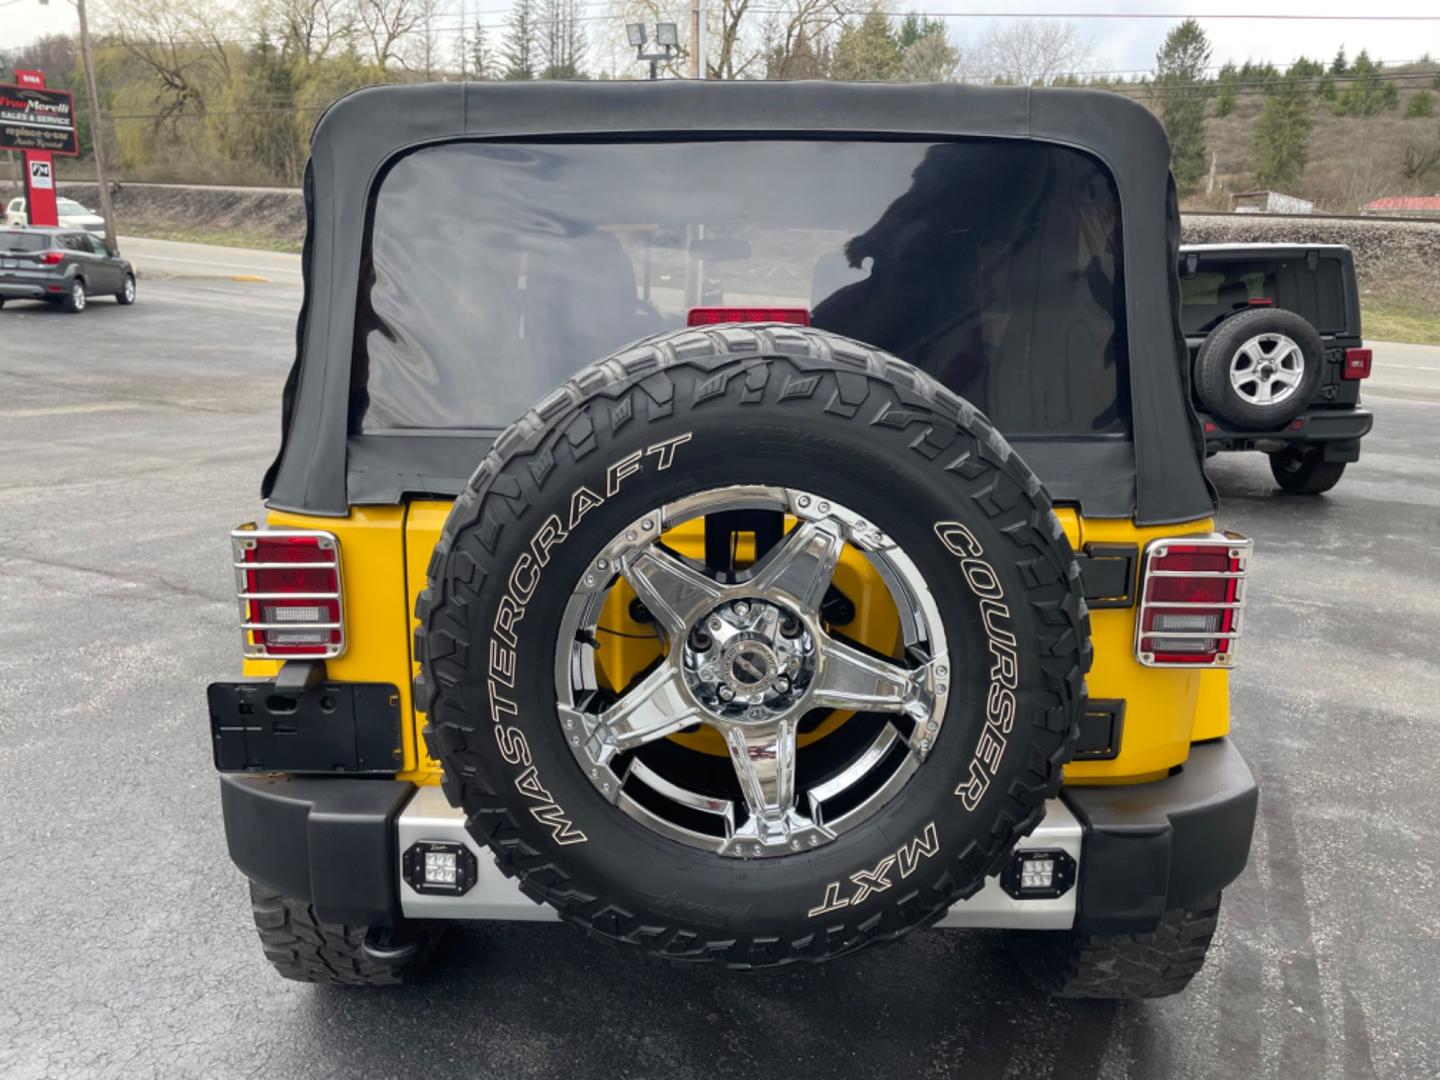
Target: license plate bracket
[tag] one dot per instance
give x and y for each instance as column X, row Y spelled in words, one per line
column 352, row 728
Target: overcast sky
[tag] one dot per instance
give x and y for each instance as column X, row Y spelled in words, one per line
column 1123, row 43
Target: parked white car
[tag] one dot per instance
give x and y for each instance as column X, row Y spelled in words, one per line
column 73, row 215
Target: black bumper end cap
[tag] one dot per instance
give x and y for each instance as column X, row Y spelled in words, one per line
column 327, row 841
column 1170, row 844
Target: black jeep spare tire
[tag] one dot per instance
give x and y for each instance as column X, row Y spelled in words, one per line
column 1259, row 369
column 857, row 789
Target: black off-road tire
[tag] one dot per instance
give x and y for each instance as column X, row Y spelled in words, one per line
column 1121, row 967
column 1303, row 470
column 1212, row 367
column 778, row 405
column 304, row 949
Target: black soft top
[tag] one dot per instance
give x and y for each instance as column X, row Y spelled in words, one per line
column 323, row 469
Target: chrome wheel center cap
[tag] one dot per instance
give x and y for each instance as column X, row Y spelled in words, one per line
column 749, row 660
column 748, row 666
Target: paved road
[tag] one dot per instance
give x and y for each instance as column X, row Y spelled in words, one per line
column 132, row 439
column 172, row 259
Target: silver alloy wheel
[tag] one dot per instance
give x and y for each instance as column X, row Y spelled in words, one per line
column 751, row 658
column 77, row 294
column 129, row 289
column 1267, row 369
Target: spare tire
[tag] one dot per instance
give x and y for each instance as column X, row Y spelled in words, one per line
column 1259, row 369
column 856, row 791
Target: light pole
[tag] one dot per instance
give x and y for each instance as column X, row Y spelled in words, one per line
column 97, row 131
column 667, row 36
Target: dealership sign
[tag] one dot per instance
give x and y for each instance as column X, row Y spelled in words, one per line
column 35, row 119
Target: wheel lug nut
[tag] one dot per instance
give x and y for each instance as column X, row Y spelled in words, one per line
column 716, row 624
column 742, row 608
column 725, row 693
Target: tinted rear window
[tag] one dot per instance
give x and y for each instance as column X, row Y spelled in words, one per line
column 23, row 241
column 1222, row 286
column 494, row 271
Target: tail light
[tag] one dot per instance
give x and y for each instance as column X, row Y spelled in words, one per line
column 1192, row 593
column 709, row 316
column 1357, row 364
column 1261, row 301
column 288, row 584
column 52, row 258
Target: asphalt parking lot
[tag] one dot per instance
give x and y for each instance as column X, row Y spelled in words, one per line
column 131, row 440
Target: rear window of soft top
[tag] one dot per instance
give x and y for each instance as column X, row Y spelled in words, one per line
column 495, row 271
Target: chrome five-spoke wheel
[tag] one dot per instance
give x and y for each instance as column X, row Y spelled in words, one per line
column 816, row 730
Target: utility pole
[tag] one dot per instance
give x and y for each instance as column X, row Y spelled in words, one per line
column 97, row 127
column 697, row 39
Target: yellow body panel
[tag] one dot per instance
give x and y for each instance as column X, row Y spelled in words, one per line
column 376, row 607
column 1161, row 704
column 385, row 552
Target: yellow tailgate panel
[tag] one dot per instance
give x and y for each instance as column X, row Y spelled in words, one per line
column 385, row 553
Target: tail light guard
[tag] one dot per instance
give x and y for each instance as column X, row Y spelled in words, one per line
column 1192, row 600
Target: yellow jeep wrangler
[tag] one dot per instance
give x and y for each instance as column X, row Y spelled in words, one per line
column 747, row 521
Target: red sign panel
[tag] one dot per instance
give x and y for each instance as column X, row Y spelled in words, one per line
column 32, row 118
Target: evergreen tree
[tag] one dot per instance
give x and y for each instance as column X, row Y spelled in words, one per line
column 1367, row 93
column 1183, row 90
column 868, row 50
column 1282, row 136
column 1225, row 89
column 1422, row 104
column 517, row 46
column 914, row 29
column 482, row 57
column 1339, row 66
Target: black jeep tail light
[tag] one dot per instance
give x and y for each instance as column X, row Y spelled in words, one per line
column 1357, row 364
column 288, row 584
column 1192, row 594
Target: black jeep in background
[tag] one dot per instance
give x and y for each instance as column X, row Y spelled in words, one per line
column 1274, row 337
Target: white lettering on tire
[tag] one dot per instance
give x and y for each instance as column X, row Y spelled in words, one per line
column 521, row 585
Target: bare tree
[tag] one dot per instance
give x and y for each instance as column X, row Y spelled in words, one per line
column 311, row 28
column 1034, row 52
column 561, row 39
column 931, row 59
column 383, row 25
column 182, row 45
column 799, row 35
column 1419, row 155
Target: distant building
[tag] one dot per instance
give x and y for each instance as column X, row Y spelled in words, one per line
column 1269, row 202
column 1421, row 206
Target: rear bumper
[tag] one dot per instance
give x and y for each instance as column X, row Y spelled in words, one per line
column 1152, row 848
column 1141, row 850
column 30, row 289
column 1337, row 431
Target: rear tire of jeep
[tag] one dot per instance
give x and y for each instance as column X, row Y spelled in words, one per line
column 1259, row 369
column 1120, row 967
column 563, row 507
column 302, row 948
column 1303, row 470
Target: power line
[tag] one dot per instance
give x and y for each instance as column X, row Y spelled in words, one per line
column 1137, row 92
